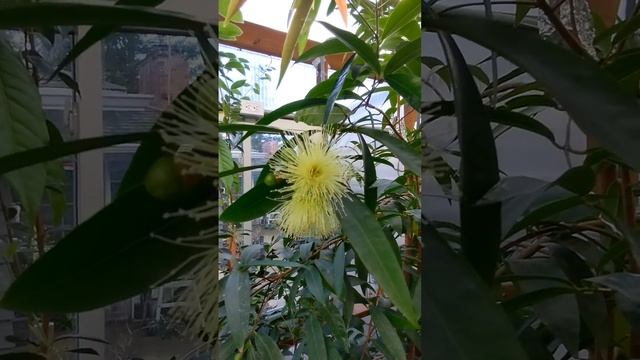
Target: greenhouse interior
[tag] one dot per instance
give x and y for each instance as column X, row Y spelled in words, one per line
column 319, row 180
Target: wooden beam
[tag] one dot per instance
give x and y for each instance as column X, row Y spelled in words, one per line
column 268, row 41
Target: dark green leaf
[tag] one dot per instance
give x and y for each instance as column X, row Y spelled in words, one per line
column 456, row 308
column 337, row 88
column 401, row 149
column 22, row 127
column 559, row 313
column 480, row 235
column 406, row 11
column 389, row 335
column 407, row 85
column 370, row 193
column 314, row 339
column 267, row 348
column 78, row 12
column 22, row 356
column 522, row 9
column 253, row 204
column 356, row 44
column 314, row 283
column 521, row 121
column 237, row 304
column 410, row 51
column 366, row 236
column 329, row 47
column 107, row 258
column 572, row 81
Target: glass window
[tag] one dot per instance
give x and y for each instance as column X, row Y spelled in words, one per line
column 57, row 213
column 143, row 73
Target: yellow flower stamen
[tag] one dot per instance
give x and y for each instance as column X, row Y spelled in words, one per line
column 316, row 176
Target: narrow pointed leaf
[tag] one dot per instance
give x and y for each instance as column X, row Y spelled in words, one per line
column 573, row 81
column 337, row 88
column 456, row 308
column 356, row 44
column 480, row 234
column 372, row 246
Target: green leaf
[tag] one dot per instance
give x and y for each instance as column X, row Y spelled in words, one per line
column 409, row 156
column 410, row 51
column 302, row 11
column 405, row 11
column 337, row 88
column 304, row 32
column 370, row 192
column 314, row 283
column 237, row 304
column 22, row 356
column 573, row 81
column 627, row 28
column 522, row 9
column 520, row 121
column 372, row 246
column 480, row 233
column 107, row 258
column 225, row 163
column 389, row 335
column 55, row 151
column 457, row 306
column 267, row 347
column 253, row 204
column 23, row 127
column 338, row 269
column 559, row 313
column 355, row 44
column 188, row 101
column 328, row 47
column 78, row 12
column 407, row 85
column 627, row 287
column 314, row 339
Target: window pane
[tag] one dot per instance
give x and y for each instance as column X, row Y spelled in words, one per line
column 57, row 213
column 143, row 73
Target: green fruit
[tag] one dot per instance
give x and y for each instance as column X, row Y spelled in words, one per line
column 163, row 180
column 270, row 180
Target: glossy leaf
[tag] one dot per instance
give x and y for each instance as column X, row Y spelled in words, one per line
column 355, row 44
column 410, row 51
column 22, row 356
column 23, row 127
column 407, row 85
column 253, row 204
column 337, row 88
column 78, row 12
column 405, row 11
column 328, row 47
column 456, row 308
column 559, row 313
column 572, row 81
column 267, row 348
column 107, row 258
column 295, row 27
column 480, row 235
column 389, row 335
column 237, row 304
column 314, row 339
column 56, row 151
column 366, row 236
column 409, row 157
